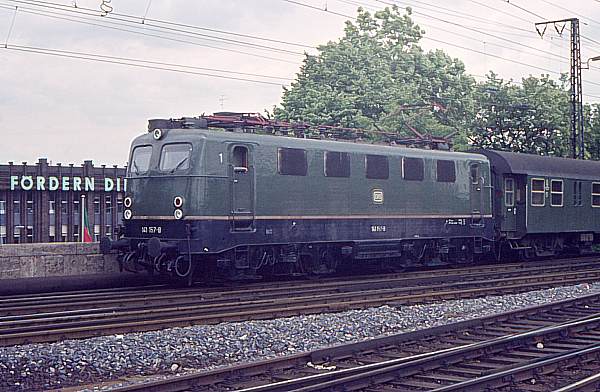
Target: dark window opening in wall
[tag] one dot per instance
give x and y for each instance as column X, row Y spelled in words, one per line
column 16, row 212
column 2, row 234
column 120, row 205
column 108, row 205
column 17, row 234
column 51, row 207
column 64, row 232
column 76, row 205
column 2, row 207
column 29, row 234
column 96, row 233
column 377, row 167
column 337, row 164
column 52, row 233
column 64, row 208
column 446, row 171
column 96, row 205
column 108, row 231
column 29, row 203
column 413, row 169
column 76, row 233
column 291, row 161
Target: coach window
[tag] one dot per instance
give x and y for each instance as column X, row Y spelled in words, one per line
column 174, row 157
column 240, row 158
column 556, row 193
column 140, row 160
column 412, row 169
column 595, row 194
column 538, row 192
column 291, row 162
column 337, row 164
column 377, row 167
column 509, row 192
column 446, row 171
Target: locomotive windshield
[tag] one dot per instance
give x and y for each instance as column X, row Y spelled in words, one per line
column 140, row 160
column 174, row 157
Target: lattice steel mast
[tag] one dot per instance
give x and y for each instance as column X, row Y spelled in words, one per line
column 576, row 95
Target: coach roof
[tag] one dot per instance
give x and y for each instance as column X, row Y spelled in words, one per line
column 537, row 165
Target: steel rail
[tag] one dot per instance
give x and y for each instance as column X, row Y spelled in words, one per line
column 344, row 352
column 29, row 331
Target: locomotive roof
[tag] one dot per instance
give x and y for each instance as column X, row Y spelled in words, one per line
column 537, row 165
column 180, row 135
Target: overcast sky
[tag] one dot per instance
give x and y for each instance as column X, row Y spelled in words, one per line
column 69, row 109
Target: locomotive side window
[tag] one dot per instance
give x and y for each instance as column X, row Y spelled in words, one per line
column 291, row 161
column 595, row 194
column 140, row 159
column 239, row 156
column 556, row 193
column 537, row 192
column 337, row 164
column 509, row 192
column 174, row 157
column 446, row 171
column 413, row 169
column 377, row 167
column 474, row 173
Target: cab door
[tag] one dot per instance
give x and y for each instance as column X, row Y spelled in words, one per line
column 509, row 205
column 241, row 173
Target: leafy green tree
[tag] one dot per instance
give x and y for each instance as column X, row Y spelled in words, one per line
column 592, row 131
column 531, row 118
column 377, row 77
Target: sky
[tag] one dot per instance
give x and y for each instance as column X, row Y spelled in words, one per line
column 228, row 55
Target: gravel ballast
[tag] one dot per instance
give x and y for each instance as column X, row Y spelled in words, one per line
column 175, row 350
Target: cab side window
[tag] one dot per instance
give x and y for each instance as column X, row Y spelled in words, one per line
column 291, row 161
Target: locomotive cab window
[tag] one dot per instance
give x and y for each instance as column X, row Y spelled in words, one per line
column 595, row 194
column 239, row 156
column 538, row 198
column 291, row 161
column 377, row 167
column 446, row 171
column 413, row 169
column 509, row 192
column 556, row 193
column 474, row 173
column 140, row 160
column 337, row 164
column 175, row 157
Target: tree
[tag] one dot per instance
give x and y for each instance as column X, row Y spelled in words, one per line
column 377, row 76
column 531, row 118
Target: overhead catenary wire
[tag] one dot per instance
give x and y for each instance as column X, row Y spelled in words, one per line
column 109, row 23
column 137, row 19
column 131, row 62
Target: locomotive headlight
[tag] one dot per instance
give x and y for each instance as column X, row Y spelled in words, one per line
column 178, row 214
column 178, row 201
column 157, row 133
column 127, row 202
column 127, row 214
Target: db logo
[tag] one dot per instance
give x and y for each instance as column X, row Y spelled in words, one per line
column 377, row 196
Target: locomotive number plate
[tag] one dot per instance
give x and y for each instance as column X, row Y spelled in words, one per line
column 151, row 229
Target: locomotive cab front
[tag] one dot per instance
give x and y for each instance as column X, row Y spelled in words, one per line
column 167, row 184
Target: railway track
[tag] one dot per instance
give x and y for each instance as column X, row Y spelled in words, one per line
column 80, row 315
column 534, row 349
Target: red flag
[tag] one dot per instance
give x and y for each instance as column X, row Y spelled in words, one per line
column 86, row 230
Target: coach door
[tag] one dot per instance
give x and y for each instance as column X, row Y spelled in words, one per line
column 509, row 205
column 476, row 194
column 241, row 169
